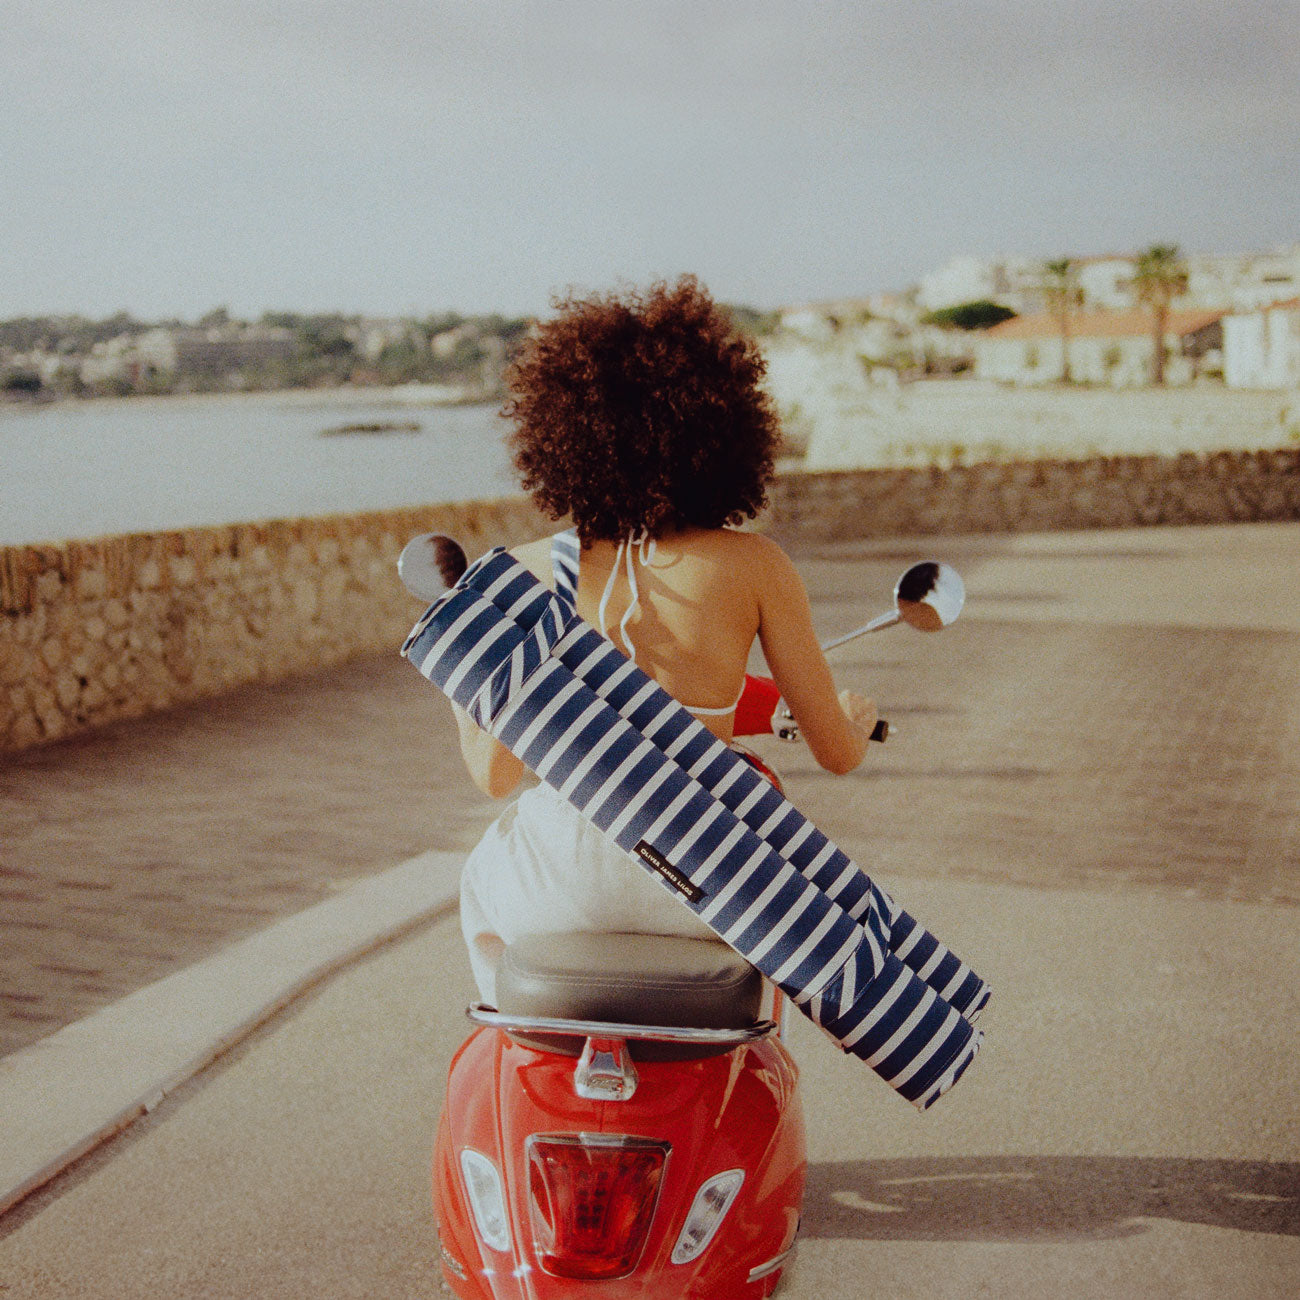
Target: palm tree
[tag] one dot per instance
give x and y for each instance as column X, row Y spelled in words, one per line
column 1060, row 285
column 1159, row 276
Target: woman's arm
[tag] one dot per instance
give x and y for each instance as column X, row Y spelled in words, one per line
column 496, row 771
column 837, row 728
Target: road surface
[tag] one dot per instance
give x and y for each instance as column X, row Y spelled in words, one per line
column 1092, row 795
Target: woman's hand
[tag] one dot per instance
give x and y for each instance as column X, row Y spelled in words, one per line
column 859, row 710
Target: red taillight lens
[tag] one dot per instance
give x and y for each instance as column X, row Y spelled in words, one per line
column 592, row 1198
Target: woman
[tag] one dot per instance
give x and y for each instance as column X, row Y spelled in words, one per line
column 640, row 417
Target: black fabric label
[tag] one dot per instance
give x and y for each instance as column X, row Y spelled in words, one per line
column 677, row 879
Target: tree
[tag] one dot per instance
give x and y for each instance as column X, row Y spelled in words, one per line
column 217, row 318
column 1060, row 283
column 749, row 320
column 290, row 320
column 21, row 383
column 978, row 315
column 1159, row 277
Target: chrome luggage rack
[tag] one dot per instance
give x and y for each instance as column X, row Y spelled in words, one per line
column 605, row 1071
column 482, row 1014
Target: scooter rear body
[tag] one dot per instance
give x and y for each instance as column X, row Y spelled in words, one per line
column 689, row 1185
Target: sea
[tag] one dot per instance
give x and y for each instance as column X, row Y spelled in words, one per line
column 83, row 469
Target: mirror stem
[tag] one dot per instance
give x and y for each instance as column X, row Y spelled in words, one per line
column 881, row 621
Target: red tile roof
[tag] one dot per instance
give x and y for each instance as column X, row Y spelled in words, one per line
column 1102, row 324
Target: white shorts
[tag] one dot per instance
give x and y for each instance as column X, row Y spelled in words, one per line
column 542, row 868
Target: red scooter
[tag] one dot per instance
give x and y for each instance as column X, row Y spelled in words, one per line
column 626, row 1123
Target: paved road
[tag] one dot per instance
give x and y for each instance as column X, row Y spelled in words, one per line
column 1143, row 686
column 1093, row 794
column 130, row 853
column 1129, row 1129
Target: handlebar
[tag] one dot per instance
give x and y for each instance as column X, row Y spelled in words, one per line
column 762, row 712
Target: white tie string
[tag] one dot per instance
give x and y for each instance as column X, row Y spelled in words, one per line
column 645, row 548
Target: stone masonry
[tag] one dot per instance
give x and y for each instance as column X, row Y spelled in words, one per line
column 96, row 631
column 1038, row 496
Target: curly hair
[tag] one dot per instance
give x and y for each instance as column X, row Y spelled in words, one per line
column 642, row 410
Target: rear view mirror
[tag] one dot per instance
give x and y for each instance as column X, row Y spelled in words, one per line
column 929, row 596
column 430, row 565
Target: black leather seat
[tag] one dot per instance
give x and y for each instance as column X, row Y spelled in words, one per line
column 636, row 979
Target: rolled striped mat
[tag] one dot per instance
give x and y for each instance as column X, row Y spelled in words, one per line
column 590, row 723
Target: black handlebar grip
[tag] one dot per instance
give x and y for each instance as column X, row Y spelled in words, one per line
column 880, row 731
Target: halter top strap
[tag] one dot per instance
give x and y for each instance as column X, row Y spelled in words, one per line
column 566, row 555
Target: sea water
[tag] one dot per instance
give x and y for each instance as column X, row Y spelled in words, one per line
column 83, row 469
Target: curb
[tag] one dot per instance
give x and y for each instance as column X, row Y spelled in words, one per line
column 64, row 1095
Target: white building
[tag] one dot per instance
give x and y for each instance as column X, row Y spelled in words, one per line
column 1018, row 283
column 157, row 348
column 109, row 360
column 1106, row 282
column 214, row 352
column 960, row 279
column 1242, row 281
column 444, row 345
column 372, row 337
column 39, row 361
column 1261, row 349
column 1113, row 348
column 1014, row 281
column 1228, row 282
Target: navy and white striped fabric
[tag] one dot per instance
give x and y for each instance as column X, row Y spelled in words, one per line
column 797, row 840
column 594, row 726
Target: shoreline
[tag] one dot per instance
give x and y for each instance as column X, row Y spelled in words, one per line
column 402, row 395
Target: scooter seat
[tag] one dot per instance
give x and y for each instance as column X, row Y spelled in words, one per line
column 632, row 979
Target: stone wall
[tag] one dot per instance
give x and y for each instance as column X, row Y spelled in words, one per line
column 95, row 631
column 1037, row 496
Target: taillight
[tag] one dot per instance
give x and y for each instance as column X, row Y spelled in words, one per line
column 592, row 1198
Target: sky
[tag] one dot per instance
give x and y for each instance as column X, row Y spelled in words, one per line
column 410, row 156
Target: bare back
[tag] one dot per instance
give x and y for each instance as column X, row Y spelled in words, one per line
column 702, row 597
column 695, row 614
